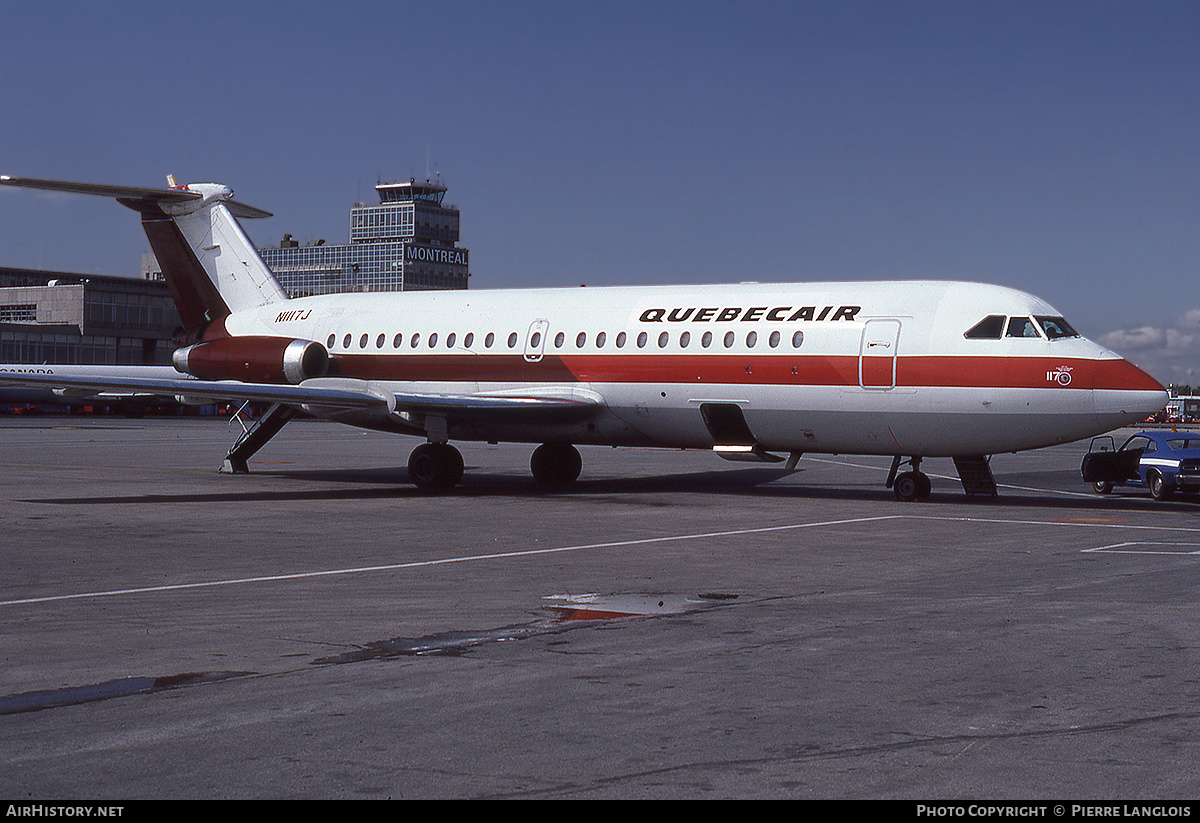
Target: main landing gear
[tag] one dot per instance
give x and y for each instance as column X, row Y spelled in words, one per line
column 556, row 465
column 909, row 485
column 435, row 467
column 438, row 467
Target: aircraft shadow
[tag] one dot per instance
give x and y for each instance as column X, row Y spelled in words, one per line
column 383, row 483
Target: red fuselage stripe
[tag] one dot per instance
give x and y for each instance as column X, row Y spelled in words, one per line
column 782, row 370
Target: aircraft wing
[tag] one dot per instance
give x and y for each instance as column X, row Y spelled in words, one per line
column 328, row 393
column 339, row 395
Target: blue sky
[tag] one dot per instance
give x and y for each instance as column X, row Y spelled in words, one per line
column 1047, row 146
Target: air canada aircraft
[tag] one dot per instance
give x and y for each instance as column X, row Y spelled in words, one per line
column 907, row 369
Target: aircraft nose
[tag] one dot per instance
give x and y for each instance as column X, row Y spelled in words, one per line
column 1122, row 389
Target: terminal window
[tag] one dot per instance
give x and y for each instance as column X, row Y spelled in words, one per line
column 19, row 313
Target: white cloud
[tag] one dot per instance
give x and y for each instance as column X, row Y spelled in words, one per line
column 1143, row 337
column 1169, row 353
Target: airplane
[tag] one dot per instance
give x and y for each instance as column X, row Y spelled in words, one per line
column 751, row 371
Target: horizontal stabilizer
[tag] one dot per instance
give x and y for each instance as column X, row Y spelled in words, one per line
column 139, row 199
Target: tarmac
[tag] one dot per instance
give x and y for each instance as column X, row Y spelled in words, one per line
column 675, row 626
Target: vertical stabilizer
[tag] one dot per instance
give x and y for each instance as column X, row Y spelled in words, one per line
column 223, row 271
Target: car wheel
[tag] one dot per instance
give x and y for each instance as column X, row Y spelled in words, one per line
column 1159, row 489
column 1102, row 487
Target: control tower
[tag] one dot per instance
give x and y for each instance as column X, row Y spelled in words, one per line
column 407, row 242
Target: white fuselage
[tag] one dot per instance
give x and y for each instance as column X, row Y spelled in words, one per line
column 854, row 367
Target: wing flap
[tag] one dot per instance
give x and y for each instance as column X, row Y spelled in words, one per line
column 508, row 408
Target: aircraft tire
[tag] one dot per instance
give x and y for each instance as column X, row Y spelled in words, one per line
column 435, row 467
column 908, row 486
column 556, row 465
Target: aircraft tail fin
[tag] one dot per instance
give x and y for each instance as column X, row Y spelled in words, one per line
column 210, row 265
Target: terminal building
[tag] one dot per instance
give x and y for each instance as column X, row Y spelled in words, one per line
column 50, row 317
column 407, row 242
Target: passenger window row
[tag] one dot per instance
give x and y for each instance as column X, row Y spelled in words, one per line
column 663, row 340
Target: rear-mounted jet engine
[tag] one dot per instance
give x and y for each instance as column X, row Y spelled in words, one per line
column 254, row 360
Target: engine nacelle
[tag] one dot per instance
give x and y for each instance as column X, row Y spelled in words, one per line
column 254, row 359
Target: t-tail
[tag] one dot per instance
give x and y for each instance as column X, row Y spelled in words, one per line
column 210, row 265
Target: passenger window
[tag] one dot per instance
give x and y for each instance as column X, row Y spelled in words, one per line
column 433, row 340
column 706, row 339
column 642, row 340
column 559, row 339
column 728, row 339
column 989, row 328
column 362, row 342
column 662, row 340
column 684, row 339
column 752, row 339
column 469, row 339
column 346, row 342
column 491, row 338
column 332, row 339
column 580, row 339
column 379, row 341
column 416, row 338
column 450, row 340
column 600, row 338
column 797, row 339
column 621, row 340
column 399, row 338
column 774, row 339
column 1021, row 327
column 512, row 340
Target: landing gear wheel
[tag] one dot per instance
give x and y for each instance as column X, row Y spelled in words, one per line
column 1159, row 489
column 556, row 465
column 911, row 486
column 435, row 466
column 1102, row 487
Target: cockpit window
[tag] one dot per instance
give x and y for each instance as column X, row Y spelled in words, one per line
column 989, row 328
column 1056, row 328
column 1021, row 327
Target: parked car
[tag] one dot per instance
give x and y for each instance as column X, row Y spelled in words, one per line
column 1168, row 462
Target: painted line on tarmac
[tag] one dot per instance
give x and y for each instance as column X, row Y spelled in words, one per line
column 443, row 561
column 1176, row 549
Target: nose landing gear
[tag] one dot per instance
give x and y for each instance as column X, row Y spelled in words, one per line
column 909, row 485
